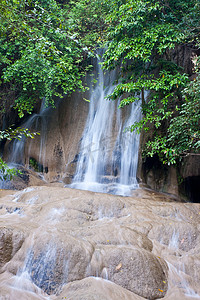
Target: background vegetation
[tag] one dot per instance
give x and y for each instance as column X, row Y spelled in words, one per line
column 145, row 33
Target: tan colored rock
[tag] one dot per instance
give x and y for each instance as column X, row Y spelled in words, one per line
column 112, row 234
column 70, row 235
column 11, row 241
column 19, row 288
column 134, row 269
column 95, row 289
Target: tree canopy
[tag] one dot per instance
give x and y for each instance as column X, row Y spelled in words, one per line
column 39, row 59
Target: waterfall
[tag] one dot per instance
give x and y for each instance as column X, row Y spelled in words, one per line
column 39, row 123
column 108, row 153
column 19, row 150
column 108, row 156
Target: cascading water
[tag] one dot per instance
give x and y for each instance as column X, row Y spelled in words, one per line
column 107, row 159
column 108, row 156
column 129, row 153
column 17, row 156
column 38, row 122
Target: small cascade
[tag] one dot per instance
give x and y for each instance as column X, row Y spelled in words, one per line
column 37, row 122
column 181, row 283
column 174, row 241
column 19, row 150
column 108, row 156
column 129, row 143
column 22, row 287
column 177, row 274
column 39, row 270
column 178, row 278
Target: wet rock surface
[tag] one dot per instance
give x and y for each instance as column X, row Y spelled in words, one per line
column 60, row 243
column 96, row 289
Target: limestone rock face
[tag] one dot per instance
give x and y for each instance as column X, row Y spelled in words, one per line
column 182, row 181
column 96, row 289
column 134, row 269
column 191, row 166
column 190, row 177
column 25, row 178
column 11, row 241
column 57, row 242
column 54, row 150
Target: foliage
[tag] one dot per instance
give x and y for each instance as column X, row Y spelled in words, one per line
column 35, row 165
column 86, row 21
column 7, row 173
column 16, row 133
column 183, row 133
column 141, row 38
column 38, row 58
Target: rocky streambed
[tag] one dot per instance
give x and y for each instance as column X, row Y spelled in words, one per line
column 60, row 243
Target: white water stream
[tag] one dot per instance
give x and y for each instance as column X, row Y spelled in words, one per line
column 16, row 158
column 39, row 123
column 108, row 156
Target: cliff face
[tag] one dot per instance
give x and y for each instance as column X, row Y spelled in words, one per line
column 57, row 145
column 183, row 179
column 105, row 155
column 56, row 151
